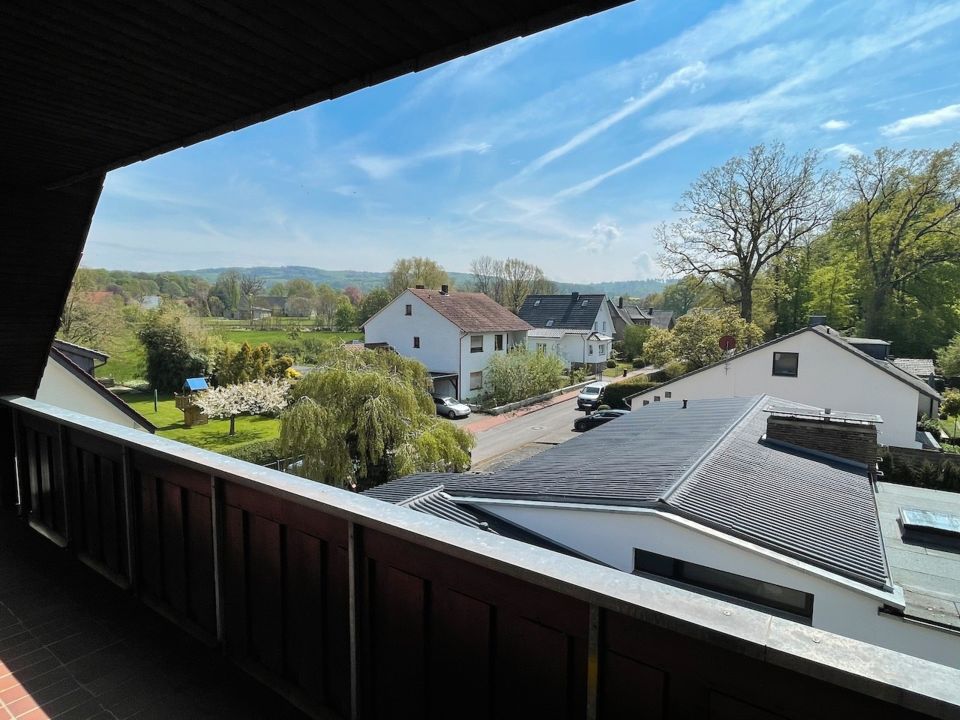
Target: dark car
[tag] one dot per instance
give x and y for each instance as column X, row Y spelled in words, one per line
column 598, row 418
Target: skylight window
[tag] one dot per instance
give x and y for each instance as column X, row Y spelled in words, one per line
column 584, row 303
column 549, row 323
column 536, row 302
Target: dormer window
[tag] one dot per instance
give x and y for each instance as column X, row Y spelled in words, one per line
column 549, row 323
column 584, row 303
column 536, row 303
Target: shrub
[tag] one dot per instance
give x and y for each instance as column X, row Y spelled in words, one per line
column 674, row 369
column 518, row 374
column 615, row 393
column 951, row 403
column 638, row 363
column 262, row 452
column 611, row 364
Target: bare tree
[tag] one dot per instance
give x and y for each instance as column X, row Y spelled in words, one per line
column 409, row 272
column 250, row 285
column 520, row 279
column 744, row 214
column 905, row 216
column 488, row 277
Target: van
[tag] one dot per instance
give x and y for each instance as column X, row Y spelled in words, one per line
column 589, row 397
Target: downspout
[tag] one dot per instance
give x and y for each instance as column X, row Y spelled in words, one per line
column 460, row 368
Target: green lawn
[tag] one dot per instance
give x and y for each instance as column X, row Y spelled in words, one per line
column 617, row 371
column 273, row 337
column 951, row 426
column 212, row 436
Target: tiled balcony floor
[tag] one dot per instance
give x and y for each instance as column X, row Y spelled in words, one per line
column 74, row 646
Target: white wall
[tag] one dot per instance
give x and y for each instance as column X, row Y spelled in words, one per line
column 604, row 322
column 61, row 388
column 827, row 376
column 840, row 606
column 571, row 349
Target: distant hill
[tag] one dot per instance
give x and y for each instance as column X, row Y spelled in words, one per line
column 366, row 281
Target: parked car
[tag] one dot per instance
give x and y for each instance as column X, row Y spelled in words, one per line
column 589, row 396
column 598, row 418
column 450, row 407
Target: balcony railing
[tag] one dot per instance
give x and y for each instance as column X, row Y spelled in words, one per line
column 356, row 608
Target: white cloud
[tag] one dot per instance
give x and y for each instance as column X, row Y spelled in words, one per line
column 932, row 119
column 843, row 150
column 380, row 167
column 831, row 125
column 645, row 266
column 602, row 236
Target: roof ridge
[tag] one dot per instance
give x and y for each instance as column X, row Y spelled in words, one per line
column 682, row 480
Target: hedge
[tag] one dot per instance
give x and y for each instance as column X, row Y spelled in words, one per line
column 942, row 476
column 260, row 452
column 614, row 393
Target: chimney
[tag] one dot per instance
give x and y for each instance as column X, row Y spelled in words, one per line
column 684, row 404
column 575, row 296
column 420, row 287
column 620, row 302
column 817, row 320
column 649, row 311
column 444, row 289
column 838, row 435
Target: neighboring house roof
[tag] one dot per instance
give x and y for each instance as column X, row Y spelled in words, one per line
column 69, row 349
column 425, row 493
column 921, row 368
column 87, row 379
column 825, row 332
column 930, row 580
column 864, row 341
column 472, row 312
column 573, row 311
column 560, row 332
column 662, row 319
column 707, row 463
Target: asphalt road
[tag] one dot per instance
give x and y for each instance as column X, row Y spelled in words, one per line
column 524, row 436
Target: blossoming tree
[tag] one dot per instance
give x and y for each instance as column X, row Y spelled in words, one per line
column 257, row 397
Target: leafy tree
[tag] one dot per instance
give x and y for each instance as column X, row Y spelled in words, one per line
column 695, row 339
column 245, row 364
column 833, row 292
column 278, row 289
column 326, row 303
column 86, row 321
column 299, row 306
column 216, row 306
column 256, row 397
column 744, row 214
column 363, row 418
column 518, row 374
column 172, row 349
column 346, row 316
column 227, row 288
column 410, row 272
column 948, row 358
column 299, row 287
column 682, row 296
column 373, row 302
column 904, row 218
column 634, row 337
column 950, row 407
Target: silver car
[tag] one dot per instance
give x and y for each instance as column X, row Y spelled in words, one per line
column 450, row 407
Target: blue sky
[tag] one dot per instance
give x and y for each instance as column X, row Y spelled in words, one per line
column 565, row 148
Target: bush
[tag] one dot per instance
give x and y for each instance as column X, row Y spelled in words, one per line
column 518, row 375
column 615, row 393
column 674, row 369
column 262, row 452
column 638, row 363
column 611, row 364
column 951, row 403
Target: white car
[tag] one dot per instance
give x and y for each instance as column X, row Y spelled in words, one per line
column 450, row 407
column 589, row 396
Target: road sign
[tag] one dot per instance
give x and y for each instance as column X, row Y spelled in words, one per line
column 728, row 342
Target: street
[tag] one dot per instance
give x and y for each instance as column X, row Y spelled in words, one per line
column 524, row 436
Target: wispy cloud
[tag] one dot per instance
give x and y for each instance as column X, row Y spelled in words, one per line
column 843, row 150
column 380, row 167
column 932, row 119
column 832, row 125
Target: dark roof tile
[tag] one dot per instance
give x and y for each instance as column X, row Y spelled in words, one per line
column 573, row 311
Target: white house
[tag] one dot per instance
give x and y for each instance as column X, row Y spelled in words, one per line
column 67, row 385
column 758, row 501
column 453, row 334
column 578, row 328
column 813, row 365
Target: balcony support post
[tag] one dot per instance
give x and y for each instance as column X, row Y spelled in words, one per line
column 216, row 510
column 129, row 515
column 593, row 661
column 23, row 481
column 354, row 537
column 66, row 487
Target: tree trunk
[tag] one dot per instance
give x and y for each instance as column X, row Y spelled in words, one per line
column 875, row 312
column 746, row 302
column 233, row 424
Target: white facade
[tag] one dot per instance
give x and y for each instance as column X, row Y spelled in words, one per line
column 428, row 336
column 574, row 347
column 843, row 606
column 828, row 376
column 604, row 321
column 62, row 388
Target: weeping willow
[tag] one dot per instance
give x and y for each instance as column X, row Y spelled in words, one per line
column 365, row 418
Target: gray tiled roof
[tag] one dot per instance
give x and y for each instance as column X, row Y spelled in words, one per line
column 575, row 312
column 918, row 367
column 707, row 463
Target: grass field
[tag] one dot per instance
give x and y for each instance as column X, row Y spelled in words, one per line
column 282, row 337
column 212, row 436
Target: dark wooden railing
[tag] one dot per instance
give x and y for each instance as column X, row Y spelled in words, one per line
column 356, row 608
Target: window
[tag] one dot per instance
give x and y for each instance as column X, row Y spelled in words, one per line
column 785, row 364
column 584, row 303
column 782, row 600
column 498, row 342
column 476, row 380
column 416, row 341
column 536, row 303
column 408, row 310
column 549, row 323
column 590, row 349
column 541, row 348
column 476, row 343
column 667, row 394
column 603, row 349
column 603, row 326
